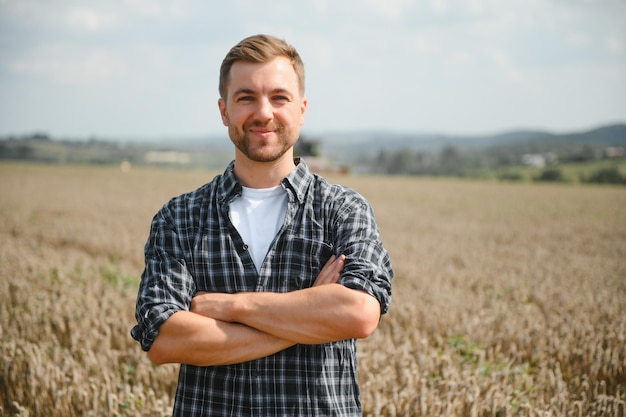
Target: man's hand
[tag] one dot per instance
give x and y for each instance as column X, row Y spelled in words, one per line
column 219, row 305
column 331, row 271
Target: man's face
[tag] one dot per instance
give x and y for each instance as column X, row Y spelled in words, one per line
column 263, row 109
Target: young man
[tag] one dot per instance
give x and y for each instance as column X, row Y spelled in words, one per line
column 259, row 282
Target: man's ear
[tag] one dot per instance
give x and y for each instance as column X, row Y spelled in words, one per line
column 303, row 110
column 222, row 106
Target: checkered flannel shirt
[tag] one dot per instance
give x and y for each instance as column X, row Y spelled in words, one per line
column 194, row 247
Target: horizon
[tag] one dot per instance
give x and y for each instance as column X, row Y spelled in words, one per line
column 366, row 133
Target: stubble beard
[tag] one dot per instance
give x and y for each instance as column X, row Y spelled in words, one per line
column 261, row 152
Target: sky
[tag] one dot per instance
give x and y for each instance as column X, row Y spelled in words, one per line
column 147, row 69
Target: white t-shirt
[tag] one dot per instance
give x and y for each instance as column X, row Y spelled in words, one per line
column 258, row 215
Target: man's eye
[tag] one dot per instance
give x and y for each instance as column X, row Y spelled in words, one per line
column 281, row 98
column 245, row 98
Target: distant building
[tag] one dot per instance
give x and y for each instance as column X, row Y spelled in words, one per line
column 539, row 160
column 614, row 152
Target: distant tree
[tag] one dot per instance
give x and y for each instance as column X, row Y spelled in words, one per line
column 450, row 161
column 40, row 137
column 400, row 162
column 502, row 157
column 510, row 176
column 307, row 147
column 550, row 175
column 610, row 175
column 583, row 154
column 19, row 151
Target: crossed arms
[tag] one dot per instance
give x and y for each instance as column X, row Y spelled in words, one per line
column 223, row 329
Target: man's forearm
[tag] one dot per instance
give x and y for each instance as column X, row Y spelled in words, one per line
column 314, row 315
column 323, row 313
column 190, row 338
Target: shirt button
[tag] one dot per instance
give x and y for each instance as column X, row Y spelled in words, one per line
column 245, row 247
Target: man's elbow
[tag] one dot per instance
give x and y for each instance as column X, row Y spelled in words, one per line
column 368, row 316
column 156, row 354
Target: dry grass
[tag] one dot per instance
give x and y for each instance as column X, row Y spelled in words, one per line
column 509, row 299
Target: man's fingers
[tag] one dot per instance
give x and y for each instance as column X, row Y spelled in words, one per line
column 331, row 271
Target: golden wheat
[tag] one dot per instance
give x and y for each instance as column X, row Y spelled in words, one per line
column 509, row 299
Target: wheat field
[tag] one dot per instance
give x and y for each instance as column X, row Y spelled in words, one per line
column 509, row 299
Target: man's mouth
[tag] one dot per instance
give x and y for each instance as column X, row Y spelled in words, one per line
column 263, row 131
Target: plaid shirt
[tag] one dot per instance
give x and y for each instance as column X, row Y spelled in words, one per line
column 194, row 247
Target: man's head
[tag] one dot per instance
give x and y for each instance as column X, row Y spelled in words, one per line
column 259, row 49
column 262, row 101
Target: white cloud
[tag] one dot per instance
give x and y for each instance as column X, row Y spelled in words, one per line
column 614, row 46
column 89, row 19
column 423, row 44
column 176, row 9
column 579, row 39
column 320, row 47
column 475, row 6
column 503, row 61
column 391, row 9
column 321, row 6
column 439, row 6
column 64, row 66
column 462, row 58
column 613, row 74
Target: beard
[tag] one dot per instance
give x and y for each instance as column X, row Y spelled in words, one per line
column 262, row 151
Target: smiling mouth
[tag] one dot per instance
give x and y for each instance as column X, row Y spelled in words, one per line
column 263, row 134
column 263, row 131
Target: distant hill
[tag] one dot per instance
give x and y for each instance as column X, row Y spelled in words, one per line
column 607, row 135
column 354, row 145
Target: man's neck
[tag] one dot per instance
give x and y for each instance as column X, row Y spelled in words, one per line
column 253, row 174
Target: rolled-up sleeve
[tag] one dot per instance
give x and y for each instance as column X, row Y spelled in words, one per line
column 367, row 266
column 166, row 285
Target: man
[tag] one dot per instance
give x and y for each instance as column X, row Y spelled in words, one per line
column 259, row 282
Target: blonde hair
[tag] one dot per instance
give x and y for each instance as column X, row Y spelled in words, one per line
column 260, row 49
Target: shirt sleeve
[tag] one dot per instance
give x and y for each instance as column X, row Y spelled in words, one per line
column 367, row 266
column 166, row 285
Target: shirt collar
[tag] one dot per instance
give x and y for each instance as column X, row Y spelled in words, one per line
column 296, row 183
column 228, row 187
column 298, row 180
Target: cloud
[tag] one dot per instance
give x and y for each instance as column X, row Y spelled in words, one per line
column 175, row 9
column 439, row 6
column 89, row 19
column 614, row 46
column 462, row 58
column 475, row 6
column 64, row 65
column 320, row 47
column 579, row 39
column 503, row 61
column 391, row 9
column 423, row 44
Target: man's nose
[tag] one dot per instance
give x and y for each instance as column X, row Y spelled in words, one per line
column 264, row 110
